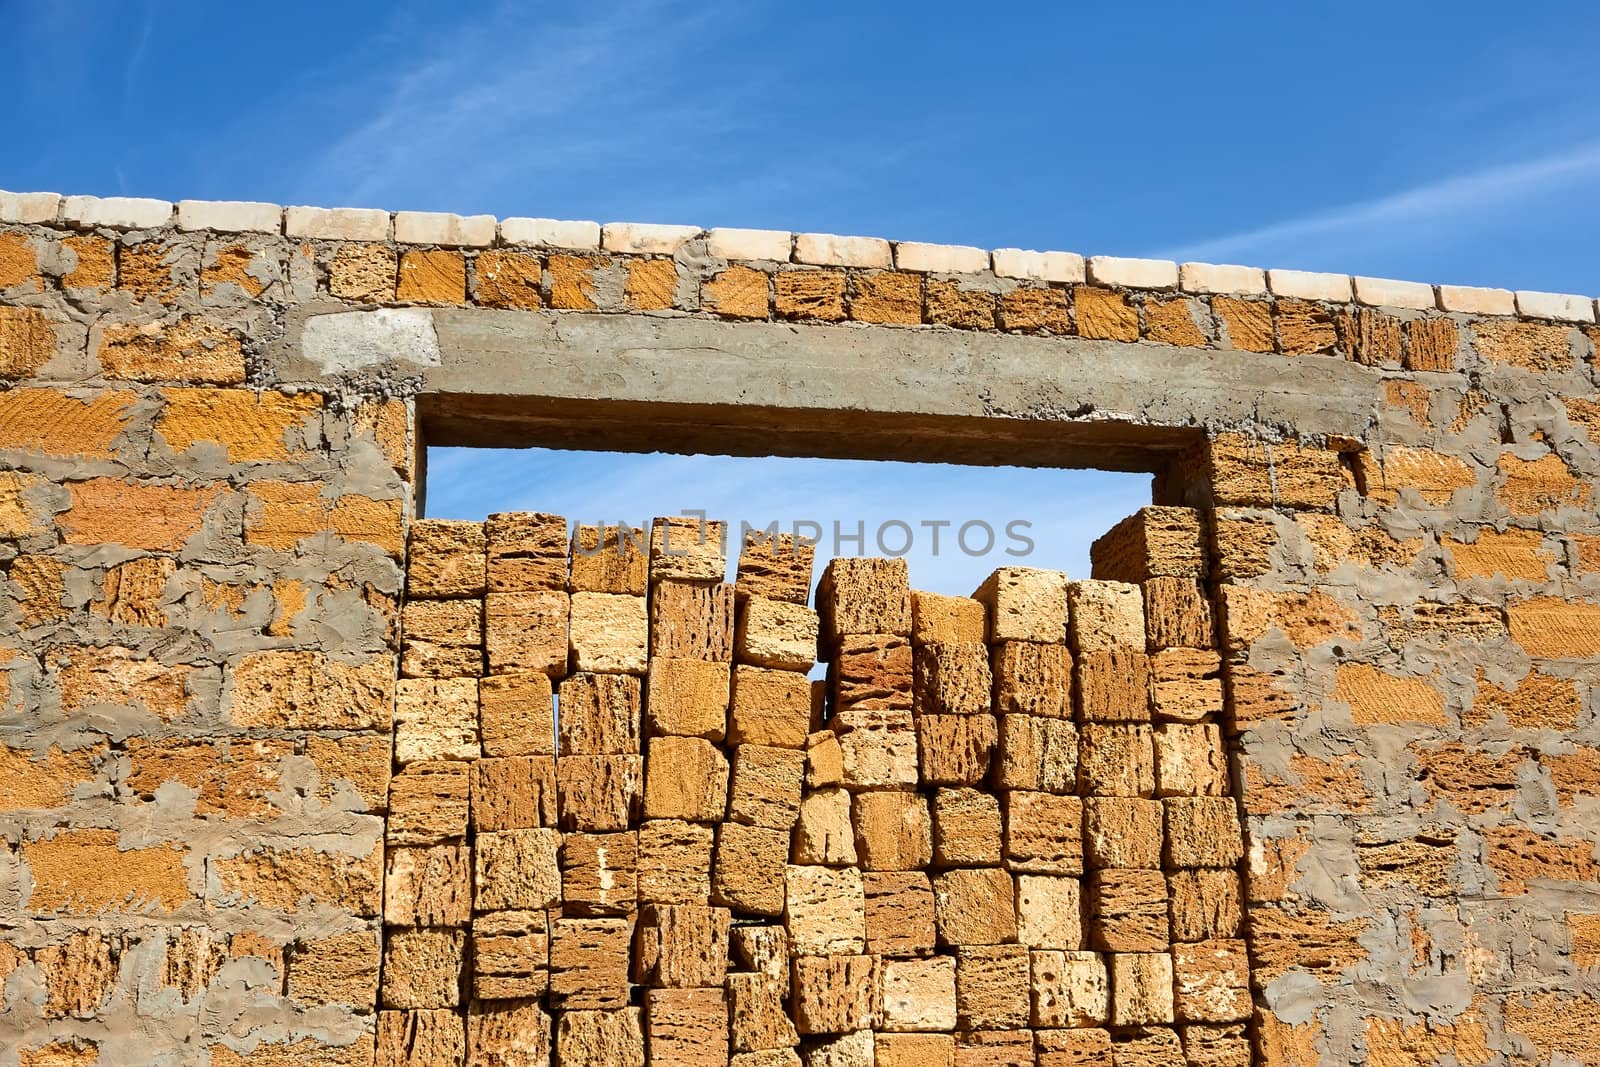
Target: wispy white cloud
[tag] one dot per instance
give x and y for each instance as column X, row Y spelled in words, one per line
column 1474, row 199
column 513, row 97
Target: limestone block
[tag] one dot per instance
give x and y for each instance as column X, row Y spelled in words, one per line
column 687, row 698
column 1202, row 832
column 414, row 1038
column 771, row 1057
column 516, row 869
column 442, row 639
column 750, row 868
column 516, row 715
column 614, row 1038
column 1025, row 604
column 1070, row 989
column 526, row 551
column 428, row 886
column 1043, row 833
column 342, row 969
column 919, row 995
column 994, row 1048
column 956, row 749
column 510, row 955
column 1117, row 760
column 609, row 633
column 872, row 672
column 975, row 906
column 850, row 1050
column 609, row 559
column 526, row 631
column 1031, row 678
column 893, row 830
column 778, row 568
column 598, row 793
column 688, row 549
column 864, row 596
column 777, row 634
column 508, row 1033
column 764, row 950
column 692, row 620
column 824, row 910
column 914, row 1050
column 1113, row 685
column 1129, row 910
column 600, row 715
column 900, row 913
column 600, row 873
column 681, row 946
column 1211, row 981
column 878, row 748
column 1122, row 832
column 1105, row 615
column 943, row 620
column 1177, row 614
column 1190, row 760
column 1074, row 1048
column 685, row 778
column 423, row 968
column 835, row 994
column 1141, row 988
column 952, row 678
column 446, row 558
column 1152, row 542
column 966, row 828
column 1048, row 915
column 758, row 1014
column 428, row 804
column 992, row 986
column 769, row 707
column 1204, row 904
column 514, row 793
column 765, row 787
column 1217, row 1046
column 589, row 963
column 824, row 759
column 687, row 1026
column 436, row 718
column 674, row 862
column 1185, row 685
column 824, row 835
column 1037, row 754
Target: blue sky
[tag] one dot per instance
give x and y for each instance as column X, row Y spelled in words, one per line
column 1449, row 144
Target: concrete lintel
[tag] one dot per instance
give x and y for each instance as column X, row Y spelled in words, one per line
column 632, row 382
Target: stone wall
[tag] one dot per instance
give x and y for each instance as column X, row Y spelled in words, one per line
column 212, row 660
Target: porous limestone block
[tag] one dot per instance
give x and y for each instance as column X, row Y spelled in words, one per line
column 835, row 994
column 599, row 873
column 1202, row 832
column 598, row 793
column 1069, row 989
column 1141, row 988
column 872, row 672
column 758, row 1017
column 769, row 707
column 517, row 869
column 1122, row 832
column 510, row 955
column 675, row 862
column 589, row 963
column 878, row 748
column 681, row 946
column 952, row 678
column 824, row 910
column 1105, row 615
column 1043, row 833
column 955, row 749
column 966, row 828
column 919, row 995
column 1190, row 760
column 864, row 596
column 1025, row 604
column 687, row 698
column 765, row 786
column 688, row 549
column 1211, row 981
column 685, row 778
column 975, row 906
column 1048, row 912
column 609, row 632
column 1117, row 759
column 992, row 986
column 1129, row 910
column 687, row 1026
column 776, row 633
column 1037, row 754
column 692, row 620
column 824, row 834
column 943, row 620
column 435, row 719
column 600, row 715
column 1032, row 679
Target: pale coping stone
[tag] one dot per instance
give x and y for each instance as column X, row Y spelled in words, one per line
column 1310, row 285
column 29, row 208
column 337, row 223
column 940, row 259
column 1477, row 301
column 230, row 216
column 733, row 243
column 443, row 228
column 831, row 250
column 349, row 340
column 1386, row 292
column 1133, row 273
column 1222, row 278
column 1563, row 307
column 1040, row 266
column 644, row 237
column 551, row 233
column 117, row 212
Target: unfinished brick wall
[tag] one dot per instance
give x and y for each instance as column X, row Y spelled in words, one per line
column 204, row 687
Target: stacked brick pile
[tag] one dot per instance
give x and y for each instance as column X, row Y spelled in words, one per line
column 1000, row 833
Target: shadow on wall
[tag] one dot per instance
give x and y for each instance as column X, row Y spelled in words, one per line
column 953, row 524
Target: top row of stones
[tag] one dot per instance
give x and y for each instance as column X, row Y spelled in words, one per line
column 779, row 246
